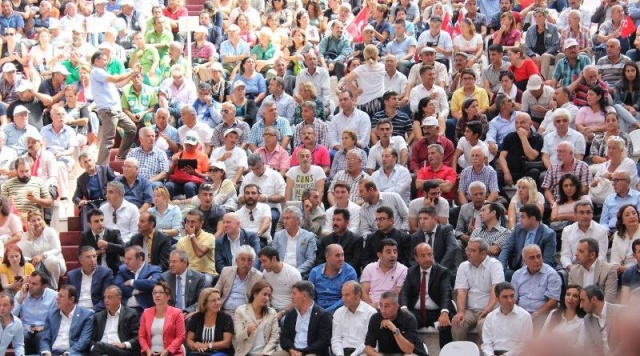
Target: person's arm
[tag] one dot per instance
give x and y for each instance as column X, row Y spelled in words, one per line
column 264, row 225
column 197, row 249
column 366, row 287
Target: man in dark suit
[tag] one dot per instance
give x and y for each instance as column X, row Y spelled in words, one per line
column 191, row 283
column 107, row 243
column 441, row 238
column 318, row 338
column 115, row 329
column 79, row 326
column 91, row 187
column 529, row 231
column 136, row 279
column 386, row 230
column 234, row 235
column 430, row 299
column 100, row 277
column 149, row 236
column 341, row 235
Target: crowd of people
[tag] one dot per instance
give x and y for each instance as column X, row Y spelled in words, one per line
column 290, row 173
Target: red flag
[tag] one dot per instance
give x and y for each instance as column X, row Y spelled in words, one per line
column 628, row 27
column 358, row 23
column 456, row 28
column 446, row 23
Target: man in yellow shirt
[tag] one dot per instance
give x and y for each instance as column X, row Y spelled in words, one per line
column 199, row 245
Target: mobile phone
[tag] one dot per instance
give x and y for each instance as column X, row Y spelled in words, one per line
column 18, row 278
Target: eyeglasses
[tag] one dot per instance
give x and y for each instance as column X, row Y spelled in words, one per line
column 225, row 111
column 10, row 34
column 115, row 217
column 616, row 180
column 251, row 218
column 268, row 134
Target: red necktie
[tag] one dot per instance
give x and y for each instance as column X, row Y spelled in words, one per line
column 473, row 223
column 423, row 297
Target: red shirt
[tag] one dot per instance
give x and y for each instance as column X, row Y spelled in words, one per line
column 419, row 153
column 180, row 12
column 527, row 69
column 319, row 156
column 445, row 173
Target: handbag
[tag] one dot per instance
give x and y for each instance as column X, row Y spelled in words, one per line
column 180, row 176
column 601, row 191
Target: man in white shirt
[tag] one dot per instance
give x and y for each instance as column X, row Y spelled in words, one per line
column 119, row 214
column 350, row 320
column 349, row 118
column 562, row 133
column 590, row 270
column 392, row 177
column 271, row 184
column 317, row 75
column 281, row 277
column 90, row 279
column 508, row 326
column 61, row 336
column 582, row 228
column 115, row 328
column 428, row 88
column 394, row 80
column 341, row 194
column 255, row 216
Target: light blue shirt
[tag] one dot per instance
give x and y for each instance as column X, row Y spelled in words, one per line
column 302, row 328
column 237, row 296
column 13, row 334
column 59, row 142
column 171, row 219
column 172, row 132
column 105, row 94
column 612, row 204
column 34, row 311
column 16, row 137
column 499, row 127
column 489, row 7
column 285, row 104
column 533, row 290
column 398, row 182
column 401, row 49
column 531, row 237
column 227, row 49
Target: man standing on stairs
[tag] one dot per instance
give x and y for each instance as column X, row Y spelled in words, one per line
column 107, row 242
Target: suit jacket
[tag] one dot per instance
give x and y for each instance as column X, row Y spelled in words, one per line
column 223, row 249
column 114, row 250
column 351, row 244
column 160, row 248
column 592, row 337
column 79, row 332
column 605, row 276
column 511, row 254
column 128, row 325
column 105, row 175
column 305, row 249
column 464, row 219
column 243, row 317
column 194, row 284
column 173, row 330
column 147, row 278
column 444, row 245
column 102, row 278
column 318, row 334
column 225, row 282
column 438, row 287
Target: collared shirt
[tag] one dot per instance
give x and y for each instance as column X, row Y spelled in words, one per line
column 580, row 170
column 599, row 144
column 186, row 93
column 401, row 122
column 497, row 235
column 278, row 159
column 375, row 153
column 210, row 115
column 302, row 328
column 217, row 139
column 13, row 335
column 420, row 91
column 138, row 193
column 391, row 200
column 348, row 328
column 259, row 212
column 551, row 39
column 486, row 175
column 589, row 278
column 396, row 83
column 529, row 102
column 237, row 295
column 499, row 127
column 552, row 139
column 384, row 340
column 284, row 103
column 151, row 163
column 493, row 76
column 110, row 334
column 613, row 203
column 329, row 288
column 459, row 96
column 172, row 133
column 227, row 48
column 319, row 79
column 339, row 162
column 105, row 94
column 399, row 181
column 401, row 49
column 444, row 172
column 428, row 302
column 506, row 332
column 84, row 299
column 282, row 126
column 170, row 219
column 18, row 191
column 127, row 219
column 631, row 277
column 290, row 251
column 147, row 245
column 381, row 281
column 34, row 311
column 534, row 290
column 59, row 142
column 205, row 263
column 478, row 281
column 612, row 72
column 442, row 40
column 358, row 121
column 270, row 183
column 572, row 234
column 16, row 137
column 565, row 74
column 321, row 128
column 62, row 342
column 354, row 221
column 547, row 123
column 345, row 177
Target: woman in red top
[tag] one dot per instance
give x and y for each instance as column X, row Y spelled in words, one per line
column 522, row 67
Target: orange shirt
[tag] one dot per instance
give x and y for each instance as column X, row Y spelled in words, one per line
column 200, row 157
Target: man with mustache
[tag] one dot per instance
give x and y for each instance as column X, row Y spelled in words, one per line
column 26, row 192
column 388, row 273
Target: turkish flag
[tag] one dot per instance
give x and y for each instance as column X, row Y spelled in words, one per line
column 446, row 23
column 358, row 23
column 628, row 27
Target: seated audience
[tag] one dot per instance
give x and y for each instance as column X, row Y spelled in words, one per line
column 168, row 216
column 91, row 187
column 349, row 320
column 92, row 275
column 121, row 337
column 329, row 277
column 479, row 170
column 584, row 227
column 168, row 333
column 383, row 275
column 227, row 246
column 563, row 210
column 630, row 276
column 281, row 276
column 563, row 133
column 391, row 176
column 469, row 214
column 119, row 214
column 567, row 320
column 185, row 283
column 526, row 193
column 303, row 255
column 136, row 279
column 626, row 232
column 32, row 304
column 255, row 216
column 623, row 194
column 439, row 236
column 597, row 338
column 107, row 242
column 14, row 270
column 235, row 282
column 373, row 200
column 491, row 230
column 567, row 163
column 40, row 245
column 520, row 153
column 199, row 245
column 589, row 270
column 154, row 243
column 255, row 323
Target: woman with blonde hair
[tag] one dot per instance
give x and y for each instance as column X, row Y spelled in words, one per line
column 256, row 323
column 41, row 246
column 308, row 92
column 527, row 193
column 168, row 216
column 366, row 82
column 210, row 330
column 618, row 162
column 471, row 43
column 626, row 232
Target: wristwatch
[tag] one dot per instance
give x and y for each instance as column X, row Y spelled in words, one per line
column 396, row 332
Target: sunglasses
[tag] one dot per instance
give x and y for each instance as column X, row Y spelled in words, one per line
column 115, row 217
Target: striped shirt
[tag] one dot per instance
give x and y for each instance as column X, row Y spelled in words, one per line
column 612, row 72
column 151, row 163
column 217, row 139
column 321, row 129
column 487, row 175
column 281, row 125
column 401, row 122
column 552, row 179
column 497, row 235
column 18, row 191
column 345, row 177
column 340, row 161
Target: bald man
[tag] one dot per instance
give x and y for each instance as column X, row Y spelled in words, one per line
column 329, row 277
column 234, row 237
column 611, row 66
column 567, row 163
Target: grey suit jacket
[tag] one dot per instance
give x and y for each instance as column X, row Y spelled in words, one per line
column 605, row 276
column 305, row 249
column 464, row 219
column 194, row 284
column 225, row 282
column 244, row 317
column 592, row 335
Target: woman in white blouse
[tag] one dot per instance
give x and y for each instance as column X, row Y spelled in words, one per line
column 41, row 245
column 619, row 161
column 256, row 324
column 366, row 82
column 627, row 232
column 567, row 319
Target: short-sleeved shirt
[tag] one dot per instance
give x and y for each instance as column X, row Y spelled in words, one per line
column 445, row 173
column 138, row 101
column 164, row 37
column 552, row 178
column 381, row 281
column 384, row 339
column 202, row 54
column 487, row 175
column 515, row 152
column 401, row 49
column 151, row 163
column 206, row 263
column 281, row 125
column 565, row 74
column 401, row 122
column 13, row 21
column 105, row 94
column 478, row 280
column 147, row 58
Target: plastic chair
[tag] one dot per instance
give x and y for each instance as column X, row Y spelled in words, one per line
column 458, row 348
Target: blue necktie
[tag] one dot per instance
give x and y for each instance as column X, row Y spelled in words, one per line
column 530, row 239
column 179, row 303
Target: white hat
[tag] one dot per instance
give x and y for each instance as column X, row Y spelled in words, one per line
column 59, row 68
column 201, row 29
column 105, row 45
column 535, row 82
column 569, row 42
column 78, row 28
column 368, row 28
column 191, row 138
column 233, row 28
column 8, row 67
column 20, row 109
column 216, row 67
column 238, row 84
column 430, row 121
column 237, row 131
column 24, row 86
column 98, row 2
column 126, row 2
column 428, row 49
column 218, row 164
column 33, row 134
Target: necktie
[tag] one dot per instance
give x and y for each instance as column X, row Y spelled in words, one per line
column 423, row 297
column 530, row 239
column 149, row 245
column 179, row 302
column 430, row 239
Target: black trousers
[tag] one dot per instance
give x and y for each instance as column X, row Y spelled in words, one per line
column 31, row 343
column 102, row 348
column 444, row 333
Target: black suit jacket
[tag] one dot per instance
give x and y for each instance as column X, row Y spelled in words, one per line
column 438, row 287
column 444, row 245
column 160, row 248
column 404, row 246
column 101, row 279
column 194, row 284
column 128, row 326
column 318, row 336
column 105, row 175
column 351, row 244
column 114, row 250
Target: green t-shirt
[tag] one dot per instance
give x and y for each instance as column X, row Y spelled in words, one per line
column 153, row 38
column 148, row 57
column 138, row 102
column 74, row 72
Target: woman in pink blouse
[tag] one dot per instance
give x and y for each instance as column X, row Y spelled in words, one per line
column 590, row 119
column 508, row 36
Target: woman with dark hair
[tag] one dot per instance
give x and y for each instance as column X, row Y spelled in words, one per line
column 426, row 108
column 161, row 326
column 255, row 85
column 210, row 330
column 295, row 53
column 311, row 32
column 380, row 24
column 215, row 12
column 627, row 90
column 10, row 225
column 507, row 87
column 315, row 14
column 567, row 319
column 590, row 118
column 626, row 232
column 521, row 67
column 471, row 112
column 352, row 64
column 279, row 8
column 509, row 35
column 14, row 269
column 256, row 323
column 41, row 245
column 246, row 30
column 570, row 190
